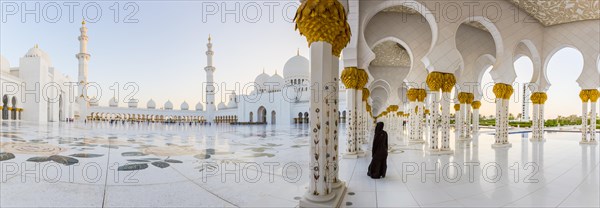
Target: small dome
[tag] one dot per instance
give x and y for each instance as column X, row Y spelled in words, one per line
column 151, row 104
column 184, row 106
column 276, row 81
column 261, row 79
column 132, row 103
column 232, row 104
column 199, row 106
column 221, row 106
column 169, row 105
column 296, row 67
column 37, row 52
column 113, row 103
column 4, row 64
column 93, row 102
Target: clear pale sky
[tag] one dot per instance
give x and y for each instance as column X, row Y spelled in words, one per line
column 164, row 51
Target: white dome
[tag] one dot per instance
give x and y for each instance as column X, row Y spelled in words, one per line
column 199, row 106
column 151, row 104
column 94, row 102
column 261, row 79
column 276, row 81
column 132, row 103
column 113, row 103
column 184, row 106
column 37, row 52
column 169, row 105
column 231, row 104
column 4, row 64
column 221, row 106
column 296, row 67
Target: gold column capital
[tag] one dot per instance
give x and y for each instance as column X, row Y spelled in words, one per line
column 324, row 20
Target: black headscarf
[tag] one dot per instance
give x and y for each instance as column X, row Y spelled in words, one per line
column 378, row 128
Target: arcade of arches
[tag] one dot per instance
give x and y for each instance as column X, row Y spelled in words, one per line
column 416, row 61
column 9, row 109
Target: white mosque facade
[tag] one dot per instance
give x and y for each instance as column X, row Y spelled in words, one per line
column 275, row 99
column 34, row 90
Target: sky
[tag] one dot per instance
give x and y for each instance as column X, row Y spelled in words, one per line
column 160, row 46
column 164, row 52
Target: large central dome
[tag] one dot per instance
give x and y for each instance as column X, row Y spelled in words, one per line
column 37, row 52
column 296, row 67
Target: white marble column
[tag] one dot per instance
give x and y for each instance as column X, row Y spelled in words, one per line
column 320, row 186
column 412, row 122
column 434, row 117
column 351, row 146
column 499, row 120
column 445, row 82
column 332, row 102
column 503, row 93
column 476, row 106
column 468, row 115
column 541, row 122
column 588, row 128
column 592, row 125
column 505, row 103
column 584, row 117
column 534, row 123
column 463, row 119
column 362, row 130
column 458, row 121
column 325, row 189
column 359, row 124
column 538, row 99
column 445, row 122
column 420, row 121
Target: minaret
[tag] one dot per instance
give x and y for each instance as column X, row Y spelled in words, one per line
column 210, row 88
column 83, row 57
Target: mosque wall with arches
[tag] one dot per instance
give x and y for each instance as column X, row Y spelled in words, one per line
column 34, row 90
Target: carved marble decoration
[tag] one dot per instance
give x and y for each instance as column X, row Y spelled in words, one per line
column 401, row 9
column 550, row 12
column 390, row 54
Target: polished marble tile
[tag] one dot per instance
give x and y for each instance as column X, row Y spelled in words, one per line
column 183, row 166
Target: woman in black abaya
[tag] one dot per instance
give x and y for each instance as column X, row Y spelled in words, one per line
column 378, row 164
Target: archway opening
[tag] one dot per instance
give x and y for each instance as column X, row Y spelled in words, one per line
column 520, row 107
column 488, row 106
column 273, row 117
column 5, row 107
column 14, row 108
column 563, row 69
column 262, row 115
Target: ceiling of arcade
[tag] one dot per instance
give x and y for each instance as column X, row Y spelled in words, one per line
column 547, row 12
column 407, row 10
column 553, row 12
column 390, row 54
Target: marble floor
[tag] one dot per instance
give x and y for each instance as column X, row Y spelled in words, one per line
column 103, row 165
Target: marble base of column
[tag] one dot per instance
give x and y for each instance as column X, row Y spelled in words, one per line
column 439, row 152
column 334, row 199
column 589, row 142
column 463, row 138
column 353, row 155
column 416, row 141
column 505, row 145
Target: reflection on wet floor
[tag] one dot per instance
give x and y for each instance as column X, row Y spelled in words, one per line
column 150, row 165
